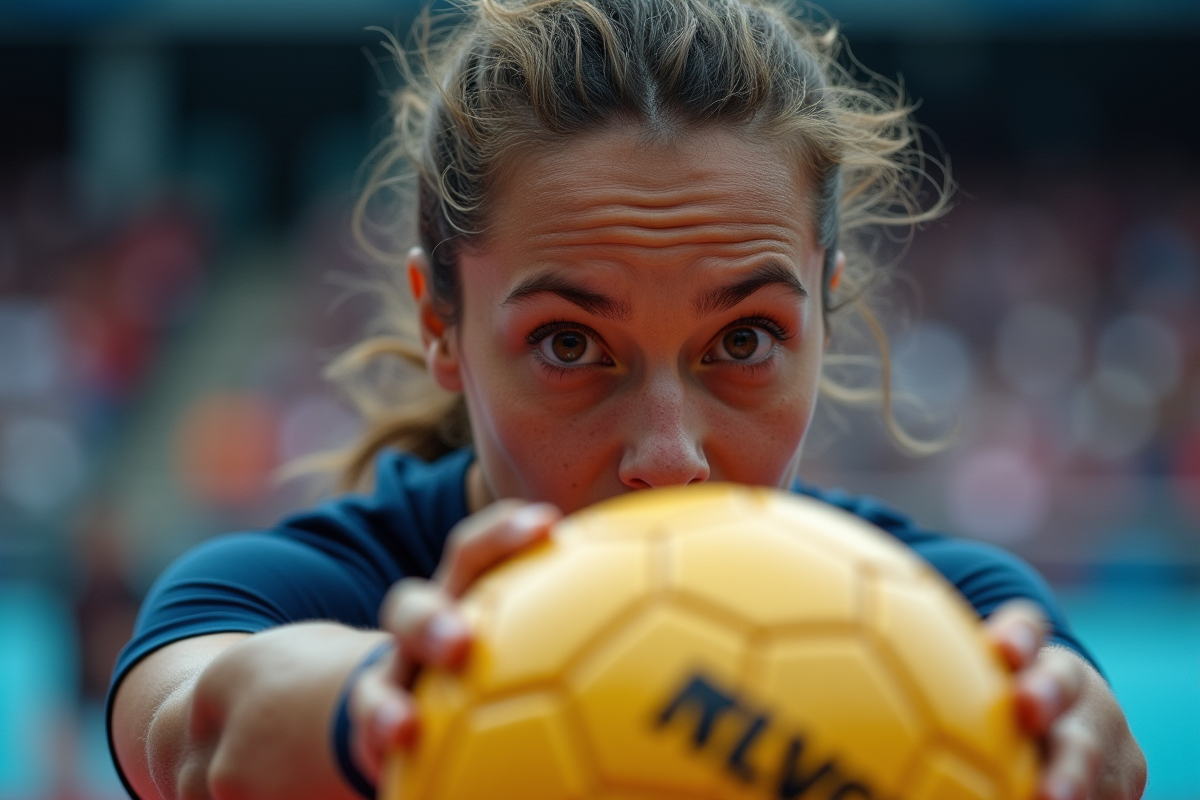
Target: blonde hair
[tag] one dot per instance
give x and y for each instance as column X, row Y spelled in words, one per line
column 517, row 74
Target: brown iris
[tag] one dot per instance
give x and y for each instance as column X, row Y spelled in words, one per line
column 569, row 345
column 741, row 342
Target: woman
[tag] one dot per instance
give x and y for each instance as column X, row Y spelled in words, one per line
column 636, row 218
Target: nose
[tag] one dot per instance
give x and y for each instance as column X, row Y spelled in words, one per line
column 664, row 441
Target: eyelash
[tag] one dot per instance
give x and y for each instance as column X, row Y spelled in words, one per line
column 759, row 320
column 551, row 328
column 554, row 326
column 768, row 324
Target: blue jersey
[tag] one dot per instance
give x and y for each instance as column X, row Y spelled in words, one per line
column 338, row 560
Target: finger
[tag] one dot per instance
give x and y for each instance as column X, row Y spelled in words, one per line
column 487, row 538
column 1047, row 688
column 383, row 717
column 1074, row 757
column 427, row 626
column 1017, row 630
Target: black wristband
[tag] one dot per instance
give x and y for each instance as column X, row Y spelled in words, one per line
column 341, row 726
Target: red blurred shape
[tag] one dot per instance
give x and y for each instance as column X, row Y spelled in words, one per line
column 227, row 448
column 156, row 266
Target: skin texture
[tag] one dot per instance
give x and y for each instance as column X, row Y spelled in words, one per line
column 617, row 252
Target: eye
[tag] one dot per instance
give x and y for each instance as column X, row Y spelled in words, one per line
column 745, row 344
column 569, row 347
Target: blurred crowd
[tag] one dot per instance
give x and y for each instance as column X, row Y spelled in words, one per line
column 1055, row 345
column 94, row 318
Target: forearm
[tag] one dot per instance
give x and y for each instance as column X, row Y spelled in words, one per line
column 250, row 721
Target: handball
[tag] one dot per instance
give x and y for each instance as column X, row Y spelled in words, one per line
column 718, row 642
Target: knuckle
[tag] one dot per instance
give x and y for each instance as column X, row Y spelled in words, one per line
column 1079, row 739
column 474, row 553
column 1065, row 667
column 466, row 554
column 400, row 599
column 486, row 539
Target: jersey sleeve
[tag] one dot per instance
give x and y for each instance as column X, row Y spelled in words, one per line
column 245, row 582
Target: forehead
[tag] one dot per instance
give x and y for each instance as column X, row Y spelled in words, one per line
column 716, row 184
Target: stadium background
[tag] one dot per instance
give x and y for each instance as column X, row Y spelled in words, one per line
column 175, row 177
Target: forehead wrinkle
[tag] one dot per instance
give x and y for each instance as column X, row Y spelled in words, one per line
column 684, row 214
column 658, row 230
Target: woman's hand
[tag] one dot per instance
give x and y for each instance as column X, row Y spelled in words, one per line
column 424, row 619
column 1089, row 752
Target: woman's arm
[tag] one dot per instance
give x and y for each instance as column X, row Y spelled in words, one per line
column 234, row 715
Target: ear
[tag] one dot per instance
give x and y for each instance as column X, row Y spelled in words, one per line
column 438, row 340
column 839, row 265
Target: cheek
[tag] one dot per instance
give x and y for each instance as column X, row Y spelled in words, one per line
column 760, row 443
column 529, row 450
column 761, row 447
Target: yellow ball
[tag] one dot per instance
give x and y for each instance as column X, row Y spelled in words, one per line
column 718, row 642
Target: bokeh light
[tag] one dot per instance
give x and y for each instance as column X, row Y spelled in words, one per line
column 227, row 448
column 41, row 464
column 30, row 348
column 998, row 494
column 1112, row 416
column 1144, row 352
column 1039, row 348
column 933, row 373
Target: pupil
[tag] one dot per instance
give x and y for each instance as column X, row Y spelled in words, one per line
column 569, row 345
column 741, row 342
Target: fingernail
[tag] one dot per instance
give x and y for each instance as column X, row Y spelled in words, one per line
column 445, row 634
column 1026, row 641
column 531, row 518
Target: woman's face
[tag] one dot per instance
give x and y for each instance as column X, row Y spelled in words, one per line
column 641, row 314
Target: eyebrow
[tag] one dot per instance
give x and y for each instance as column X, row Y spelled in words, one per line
column 773, row 273
column 590, row 301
